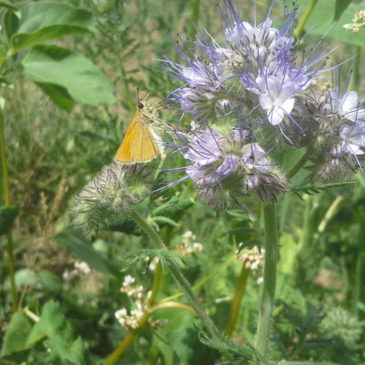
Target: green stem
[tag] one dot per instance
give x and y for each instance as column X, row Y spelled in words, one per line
column 5, row 199
column 14, row 295
column 301, row 23
column 268, row 294
column 4, row 183
column 356, row 76
column 127, row 92
column 194, row 13
column 119, row 351
column 177, row 275
column 291, row 173
column 236, row 302
column 306, row 236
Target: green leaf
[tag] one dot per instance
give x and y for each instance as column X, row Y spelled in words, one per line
column 16, row 335
column 40, row 280
column 54, row 327
column 8, row 213
column 79, row 246
column 165, row 220
column 341, row 6
column 315, row 189
column 319, row 24
column 180, row 333
column 79, row 77
column 165, row 257
column 58, row 95
column 44, row 21
column 11, row 23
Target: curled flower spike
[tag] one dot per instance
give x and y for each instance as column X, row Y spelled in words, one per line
column 223, row 166
column 115, row 189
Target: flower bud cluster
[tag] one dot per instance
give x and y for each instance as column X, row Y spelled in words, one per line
column 251, row 94
column 115, row 189
column 253, row 258
column 334, row 132
column 137, row 293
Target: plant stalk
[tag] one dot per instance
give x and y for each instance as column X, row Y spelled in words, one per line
column 301, row 23
column 5, row 199
column 177, row 275
column 194, row 13
column 236, row 302
column 268, row 294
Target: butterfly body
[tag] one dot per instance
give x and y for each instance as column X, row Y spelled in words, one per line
column 141, row 143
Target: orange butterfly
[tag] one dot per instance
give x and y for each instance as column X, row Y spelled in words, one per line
column 141, row 143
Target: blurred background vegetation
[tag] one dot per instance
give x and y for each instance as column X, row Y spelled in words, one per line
column 53, row 153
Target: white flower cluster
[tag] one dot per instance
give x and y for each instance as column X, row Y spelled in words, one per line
column 253, row 259
column 137, row 292
column 357, row 23
column 81, row 269
column 188, row 244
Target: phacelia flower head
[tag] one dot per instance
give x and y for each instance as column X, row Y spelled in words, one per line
column 222, row 167
column 254, row 74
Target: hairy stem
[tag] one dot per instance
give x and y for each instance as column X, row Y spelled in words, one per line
column 291, row 173
column 177, row 275
column 236, row 302
column 268, row 294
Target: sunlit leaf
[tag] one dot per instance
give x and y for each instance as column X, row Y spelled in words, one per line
column 43, row 21
column 16, row 334
column 79, row 77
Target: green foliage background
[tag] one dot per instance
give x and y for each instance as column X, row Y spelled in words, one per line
column 69, row 88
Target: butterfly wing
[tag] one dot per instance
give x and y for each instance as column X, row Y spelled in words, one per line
column 143, row 148
column 138, row 144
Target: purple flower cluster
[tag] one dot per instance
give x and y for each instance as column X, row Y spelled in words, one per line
column 252, row 82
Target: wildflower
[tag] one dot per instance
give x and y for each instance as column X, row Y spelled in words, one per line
column 82, row 267
column 223, row 165
column 358, row 22
column 258, row 72
column 347, row 105
column 253, row 259
column 353, row 138
column 188, row 246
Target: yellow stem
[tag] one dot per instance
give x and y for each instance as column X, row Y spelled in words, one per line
column 236, row 303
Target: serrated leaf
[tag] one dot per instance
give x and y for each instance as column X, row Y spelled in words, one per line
column 165, row 257
column 165, row 220
column 54, row 327
column 79, row 246
column 8, row 213
column 16, row 335
column 315, row 189
column 44, row 21
column 83, row 81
